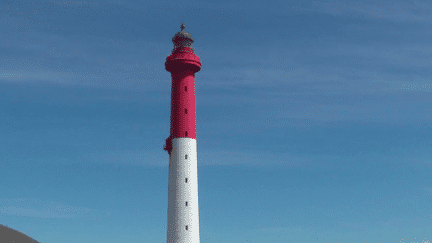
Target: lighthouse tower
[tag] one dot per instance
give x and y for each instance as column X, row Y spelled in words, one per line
column 183, row 219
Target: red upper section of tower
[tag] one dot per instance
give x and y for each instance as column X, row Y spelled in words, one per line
column 183, row 64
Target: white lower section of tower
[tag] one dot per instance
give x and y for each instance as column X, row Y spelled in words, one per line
column 183, row 219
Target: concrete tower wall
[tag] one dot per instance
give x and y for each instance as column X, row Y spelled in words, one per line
column 182, row 189
column 183, row 104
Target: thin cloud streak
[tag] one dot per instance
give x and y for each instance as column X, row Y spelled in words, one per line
column 35, row 208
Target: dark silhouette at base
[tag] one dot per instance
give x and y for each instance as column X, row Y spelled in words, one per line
column 8, row 235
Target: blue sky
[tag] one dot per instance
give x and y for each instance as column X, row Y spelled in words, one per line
column 313, row 120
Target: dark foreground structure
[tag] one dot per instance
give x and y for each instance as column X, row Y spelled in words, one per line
column 8, row 235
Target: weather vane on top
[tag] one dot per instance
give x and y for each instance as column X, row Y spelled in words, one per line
column 182, row 26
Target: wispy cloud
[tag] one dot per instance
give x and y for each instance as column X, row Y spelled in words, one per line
column 35, row 208
column 416, row 11
column 280, row 230
column 127, row 157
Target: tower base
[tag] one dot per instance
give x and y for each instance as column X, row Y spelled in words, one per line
column 183, row 219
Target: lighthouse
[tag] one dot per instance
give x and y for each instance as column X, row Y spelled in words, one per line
column 181, row 145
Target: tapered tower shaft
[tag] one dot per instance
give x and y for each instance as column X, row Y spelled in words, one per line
column 183, row 217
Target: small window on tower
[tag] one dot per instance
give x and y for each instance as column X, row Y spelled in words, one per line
column 185, row 156
column 186, row 203
column 185, row 134
column 185, row 111
column 186, row 227
column 186, row 180
column 185, row 88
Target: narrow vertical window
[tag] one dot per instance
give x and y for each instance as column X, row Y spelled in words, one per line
column 185, row 156
column 186, row 203
column 186, row 180
column 185, row 88
column 185, row 134
column 185, row 111
column 186, row 227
